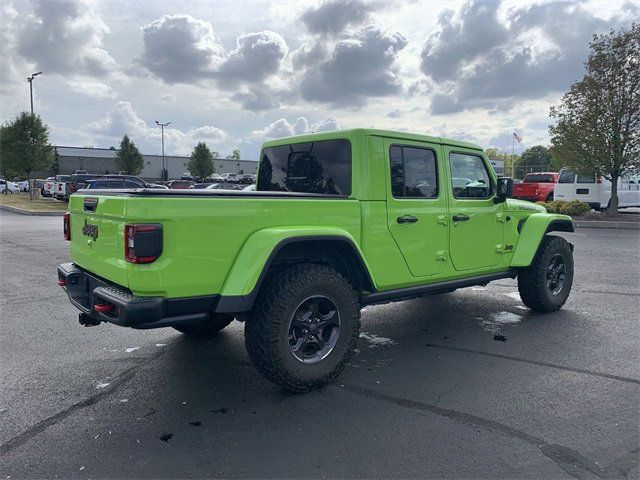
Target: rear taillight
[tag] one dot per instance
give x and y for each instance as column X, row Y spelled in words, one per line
column 142, row 242
column 73, row 187
column 67, row 226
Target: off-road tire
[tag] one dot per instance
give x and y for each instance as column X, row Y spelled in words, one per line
column 207, row 328
column 267, row 328
column 532, row 281
column 549, row 197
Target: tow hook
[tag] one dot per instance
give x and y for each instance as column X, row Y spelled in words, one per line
column 86, row 321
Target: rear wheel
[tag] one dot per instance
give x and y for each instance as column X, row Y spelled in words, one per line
column 545, row 285
column 207, row 328
column 304, row 328
column 550, row 197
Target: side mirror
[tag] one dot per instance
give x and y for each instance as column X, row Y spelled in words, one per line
column 504, row 189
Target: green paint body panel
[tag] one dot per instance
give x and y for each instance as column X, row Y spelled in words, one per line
column 532, row 232
column 217, row 244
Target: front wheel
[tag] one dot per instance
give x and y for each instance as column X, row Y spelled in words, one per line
column 304, row 328
column 544, row 286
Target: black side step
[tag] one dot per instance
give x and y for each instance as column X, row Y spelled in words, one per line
column 433, row 288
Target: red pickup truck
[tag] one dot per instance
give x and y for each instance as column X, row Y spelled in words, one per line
column 536, row 187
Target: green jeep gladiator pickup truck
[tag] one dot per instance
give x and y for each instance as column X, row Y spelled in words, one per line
column 338, row 220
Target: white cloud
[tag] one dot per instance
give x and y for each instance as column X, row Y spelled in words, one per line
column 123, row 119
column 91, row 89
column 359, row 68
column 282, row 128
column 66, row 37
column 180, row 49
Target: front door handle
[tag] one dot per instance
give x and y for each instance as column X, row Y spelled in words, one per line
column 460, row 218
column 406, row 219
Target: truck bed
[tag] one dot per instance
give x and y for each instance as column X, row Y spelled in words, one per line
column 202, row 231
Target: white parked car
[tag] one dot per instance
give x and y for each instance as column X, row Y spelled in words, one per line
column 23, row 185
column 595, row 190
column 10, row 187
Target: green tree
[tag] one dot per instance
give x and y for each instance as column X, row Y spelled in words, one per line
column 25, row 146
column 597, row 124
column 234, row 156
column 509, row 160
column 533, row 159
column 201, row 162
column 128, row 159
column 55, row 166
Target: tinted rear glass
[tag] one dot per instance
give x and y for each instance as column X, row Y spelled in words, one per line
column 586, row 178
column 322, row 167
column 566, row 176
column 538, row 178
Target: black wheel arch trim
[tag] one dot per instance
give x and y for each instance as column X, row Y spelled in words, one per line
column 560, row 225
column 556, row 225
column 244, row 303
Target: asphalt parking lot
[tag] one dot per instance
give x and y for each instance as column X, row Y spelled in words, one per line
column 464, row 385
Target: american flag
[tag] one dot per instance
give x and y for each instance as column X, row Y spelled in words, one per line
column 517, row 137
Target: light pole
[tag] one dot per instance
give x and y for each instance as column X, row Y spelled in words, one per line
column 30, row 80
column 162, row 125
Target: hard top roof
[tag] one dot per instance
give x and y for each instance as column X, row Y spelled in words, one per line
column 371, row 132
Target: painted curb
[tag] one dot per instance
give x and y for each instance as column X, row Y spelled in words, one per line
column 9, row 208
column 606, row 224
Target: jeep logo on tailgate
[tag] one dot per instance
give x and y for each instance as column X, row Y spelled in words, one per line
column 90, row 230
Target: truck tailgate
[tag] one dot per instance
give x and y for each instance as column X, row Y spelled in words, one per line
column 525, row 190
column 97, row 239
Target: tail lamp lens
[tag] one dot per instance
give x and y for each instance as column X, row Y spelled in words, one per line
column 67, row 226
column 142, row 242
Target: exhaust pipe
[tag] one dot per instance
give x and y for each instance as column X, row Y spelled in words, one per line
column 86, row 321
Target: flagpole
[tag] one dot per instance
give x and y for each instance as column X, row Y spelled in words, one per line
column 513, row 160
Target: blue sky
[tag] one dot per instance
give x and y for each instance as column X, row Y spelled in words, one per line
column 235, row 73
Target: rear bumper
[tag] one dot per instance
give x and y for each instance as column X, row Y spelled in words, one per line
column 102, row 301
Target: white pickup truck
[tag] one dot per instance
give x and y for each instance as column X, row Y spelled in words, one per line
column 595, row 190
column 60, row 187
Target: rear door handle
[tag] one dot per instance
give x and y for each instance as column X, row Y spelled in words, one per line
column 406, row 219
column 460, row 218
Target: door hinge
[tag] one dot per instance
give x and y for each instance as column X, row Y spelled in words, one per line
column 499, row 248
column 441, row 220
column 499, row 217
column 441, row 256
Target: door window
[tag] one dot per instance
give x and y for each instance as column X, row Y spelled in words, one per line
column 413, row 172
column 566, row 176
column 469, row 176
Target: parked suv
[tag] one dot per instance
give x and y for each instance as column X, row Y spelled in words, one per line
column 339, row 220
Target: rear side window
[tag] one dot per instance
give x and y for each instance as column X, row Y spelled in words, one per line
column 413, row 172
column 586, row 178
column 322, row 167
column 469, row 176
column 566, row 176
column 538, row 178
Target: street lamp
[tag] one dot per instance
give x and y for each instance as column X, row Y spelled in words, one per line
column 30, row 80
column 162, row 125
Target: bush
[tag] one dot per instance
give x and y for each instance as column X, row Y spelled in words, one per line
column 574, row 208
